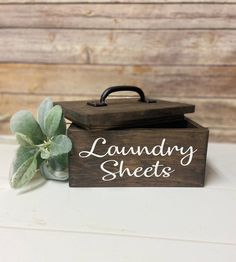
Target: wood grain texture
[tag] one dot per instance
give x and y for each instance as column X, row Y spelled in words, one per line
column 128, row 248
column 216, row 113
column 118, row 16
column 181, row 49
column 117, row 1
column 213, row 113
column 123, row 113
column 89, row 171
column 220, row 135
column 91, row 80
column 165, row 47
column 223, row 135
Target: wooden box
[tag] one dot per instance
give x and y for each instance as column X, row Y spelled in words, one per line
column 131, row 142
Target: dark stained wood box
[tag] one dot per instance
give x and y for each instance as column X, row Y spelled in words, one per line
column 131, row 142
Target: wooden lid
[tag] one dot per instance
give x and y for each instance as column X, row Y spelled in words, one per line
column 123, row 113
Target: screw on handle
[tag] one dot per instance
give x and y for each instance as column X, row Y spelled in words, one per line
column 109, row 90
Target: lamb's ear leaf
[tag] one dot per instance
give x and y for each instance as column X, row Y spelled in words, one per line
column 23, row 122
column 52, row 121
column 60, row 145
column 43, row 111
column 61, row 130
column 54, row 171
column 22, row 154
column 24, row 173
column 24, row 140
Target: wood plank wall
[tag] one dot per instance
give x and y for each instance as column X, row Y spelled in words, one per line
column 174, row 49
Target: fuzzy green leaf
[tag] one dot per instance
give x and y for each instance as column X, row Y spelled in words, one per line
column 24, row 173
column 43, row 111
column 23, row 122
column 60, row 145
column 52, row 121
column 23, row 140
column 61, row 130
column 22, row 154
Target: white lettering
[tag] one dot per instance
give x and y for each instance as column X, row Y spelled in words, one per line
column 157, row 170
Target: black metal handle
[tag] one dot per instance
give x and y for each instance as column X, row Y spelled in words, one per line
column 108, row 91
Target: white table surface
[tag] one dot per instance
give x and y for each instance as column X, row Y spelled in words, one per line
column 52, row 222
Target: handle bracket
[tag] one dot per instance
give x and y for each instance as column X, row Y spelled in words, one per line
column 108, row 91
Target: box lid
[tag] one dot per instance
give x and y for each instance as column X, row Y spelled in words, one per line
column 123, row 113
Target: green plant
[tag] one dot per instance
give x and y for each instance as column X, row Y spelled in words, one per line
column 44, row 145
